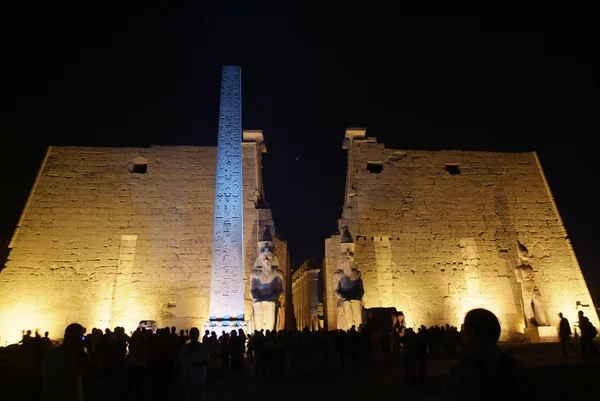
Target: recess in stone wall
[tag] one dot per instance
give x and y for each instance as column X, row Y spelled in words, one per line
column 375, row 167
column 397, row 155
column 453, row 168
column 139, row 166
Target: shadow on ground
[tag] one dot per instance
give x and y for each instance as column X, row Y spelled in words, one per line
column 554, row 377
column 559, row 382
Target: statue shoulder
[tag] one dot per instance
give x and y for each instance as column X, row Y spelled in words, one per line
column 337, row 275
column 280, row 274
column 524, row 268
column 255, row 273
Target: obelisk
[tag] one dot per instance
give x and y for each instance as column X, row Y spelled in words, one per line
column 227, row 280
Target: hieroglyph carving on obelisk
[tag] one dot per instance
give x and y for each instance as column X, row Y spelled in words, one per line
column 227, row 281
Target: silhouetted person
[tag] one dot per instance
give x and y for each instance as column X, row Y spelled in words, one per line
column 588, row 332
column 243, row 339
column 396, row 342
column 161, row 364
column 41, row 346
column 486, row 373
column 421, row 357
column 236, row 350
column 564, row 333
column 63, row 366
column 182, row 339
column 213, row 349
column 37, row 348
column 137, row 363
column 410, row 343
column 46, row 342
column 191, row 367
column 258, row 347
column 27, row 340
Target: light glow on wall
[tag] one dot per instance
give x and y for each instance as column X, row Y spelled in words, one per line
column 26, row 317
column 466, row 304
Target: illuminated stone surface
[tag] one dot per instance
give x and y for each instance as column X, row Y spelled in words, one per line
column 227, row 280
column 347, row 285
column 266, row 286
column 70, row 244
column 436, row 235
column 112, row 236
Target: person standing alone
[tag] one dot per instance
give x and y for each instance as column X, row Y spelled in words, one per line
column 564, row 333
column 191, row 367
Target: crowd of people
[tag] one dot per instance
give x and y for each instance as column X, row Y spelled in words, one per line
column 147, row 364
column 169, row 364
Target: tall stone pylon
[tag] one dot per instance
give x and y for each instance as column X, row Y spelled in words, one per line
column 227, row 280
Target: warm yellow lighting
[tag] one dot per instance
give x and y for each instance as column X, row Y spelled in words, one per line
column 469, row 303
column 24, row 317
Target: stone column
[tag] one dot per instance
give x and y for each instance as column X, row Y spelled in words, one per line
column 312, row 293
column 303, row 300
column 295, row 301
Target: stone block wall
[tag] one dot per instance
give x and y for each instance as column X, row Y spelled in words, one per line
column 436, row 234
column 105, row 246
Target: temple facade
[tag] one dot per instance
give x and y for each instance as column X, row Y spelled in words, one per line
column 112, row 236
column 437, row 233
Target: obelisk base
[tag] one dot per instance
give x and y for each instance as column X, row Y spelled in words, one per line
column 226, row 323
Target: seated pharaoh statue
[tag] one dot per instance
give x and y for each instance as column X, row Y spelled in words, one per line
column 266, row 285
column 348, row 285
column 532, row 299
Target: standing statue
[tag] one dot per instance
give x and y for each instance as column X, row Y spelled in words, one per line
column 398, row 320
column 314, row 323
column 348, row 286
column 532, row 299
column 266, row 285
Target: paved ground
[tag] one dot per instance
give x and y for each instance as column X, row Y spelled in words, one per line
column 555, row 377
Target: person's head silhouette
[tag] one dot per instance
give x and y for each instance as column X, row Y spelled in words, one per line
column 481, row 327
column 194, row 334
column 74, row 334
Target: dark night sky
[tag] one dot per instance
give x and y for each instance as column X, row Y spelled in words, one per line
column 152, row 77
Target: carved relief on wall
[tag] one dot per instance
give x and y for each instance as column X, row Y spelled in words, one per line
column 227, row 286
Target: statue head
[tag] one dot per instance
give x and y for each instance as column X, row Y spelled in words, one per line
column 265, row 254
column 347, row 257
column 266, row 258
column 347, row 250
column 522, row 253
